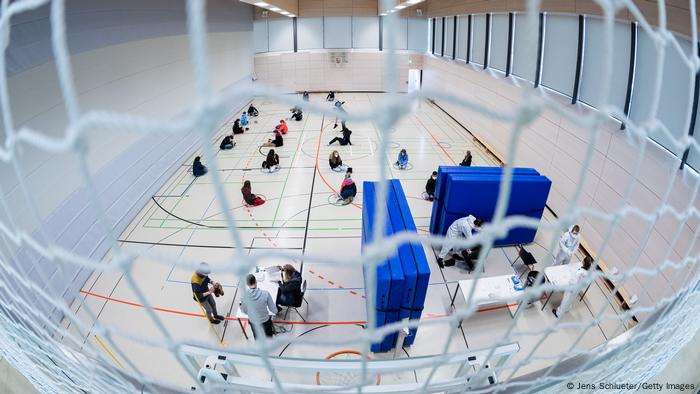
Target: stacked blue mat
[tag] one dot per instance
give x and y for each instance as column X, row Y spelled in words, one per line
column 462, row 191
column 402, row 280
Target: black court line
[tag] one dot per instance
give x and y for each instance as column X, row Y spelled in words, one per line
column 311, row 198
column 201, row 246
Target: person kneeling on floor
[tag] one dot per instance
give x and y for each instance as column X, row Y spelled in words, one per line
column 429, row 193
column 198, row 169
column 227, row 143
column 402, row 160
column 248, row 196
column 348, row 189
column 463, row 228
column 202, row 293
column 258, row 304
column 272, row 162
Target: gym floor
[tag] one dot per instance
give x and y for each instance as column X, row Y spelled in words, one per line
column 185, row 220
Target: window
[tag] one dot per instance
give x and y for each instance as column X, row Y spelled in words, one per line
column 309, row 33
column 525, row 38
column 260, row 36
column 337, row 32
column 449, row 35
column 560, row 53
column 462, row 36
column 417, row 31
column 478, row 38
column 438, row 36
column 365, row 32
column 676, row 96
column 498, row 53
column 594, row 58
column 400, row 27
column 281, row 34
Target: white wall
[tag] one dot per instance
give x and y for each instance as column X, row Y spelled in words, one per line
column 555, row 146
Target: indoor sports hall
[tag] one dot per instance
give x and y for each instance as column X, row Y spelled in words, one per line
column 390, row 196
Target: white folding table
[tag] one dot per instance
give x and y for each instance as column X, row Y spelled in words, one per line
column 562, row 275
column 489, row 292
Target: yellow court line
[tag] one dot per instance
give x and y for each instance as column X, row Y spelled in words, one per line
column 108, row 351
column 206, row 316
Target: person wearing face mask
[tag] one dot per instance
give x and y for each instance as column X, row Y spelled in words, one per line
column 429, row 193
column 461, row 228
column 348, row 189
column 568, row 245
column 335, row 161
column 570, row 295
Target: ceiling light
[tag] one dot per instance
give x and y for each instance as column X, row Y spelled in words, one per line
column 275, row 9
column 413, row 1
column 382, row 14
column 261, row 4
column 282, row 12
column 292, row 16
column 400, row 7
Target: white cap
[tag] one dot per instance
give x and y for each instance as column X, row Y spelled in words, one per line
column 203, row 269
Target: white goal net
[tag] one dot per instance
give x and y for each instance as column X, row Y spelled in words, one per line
column 54, row 359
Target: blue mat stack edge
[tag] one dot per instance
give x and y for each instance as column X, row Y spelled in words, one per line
column 402, row 280
column 462, row 191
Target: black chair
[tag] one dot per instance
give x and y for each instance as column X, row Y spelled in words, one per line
column 527, row 258
column 299, row 303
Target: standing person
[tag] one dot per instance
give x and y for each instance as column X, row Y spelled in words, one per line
column 402, row 160
column 272, row 161
column 461, row 228
column 570, row 295
column 341, row 114
column 277, row 142
column 227, row 143
column 198, row 169
column 568, row 245
column 348, row 189
column 258, row 304
column 237, row 129
column 335, row 161
column 429, row 193
column 252, row 111
column 244, row 119
column 305, row 96
column 331, row 96
column 467, row 161
column 343, row 141
column 290, row 287
column 249, row 197
column 202, row 293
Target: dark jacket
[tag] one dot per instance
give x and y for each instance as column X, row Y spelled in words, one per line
column 237, row 129
column 278, row 140
column 200, row 285
column 198, row 169
column 467, row 162
column 430, row 186
column 290, row 292
column 348, row 191
column 226, row 141
column 248, row 196
column 271, row 161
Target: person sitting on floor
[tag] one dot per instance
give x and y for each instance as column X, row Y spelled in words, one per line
column 202, row 293
column 277, row 142
column 289, row 293
column 297, row 114
column 348, row 189
column 252, row 111
column 244, row 119
column 467, row 161
column 227, row 143
column 198, row 169
column 237, row 129
column 429, row 193
column 335, row 161
column 248, row 196
column 331, row 96
column 343, row 141
column 283, row 126
column 305, row 96
column 272, row 162
column 402, row 160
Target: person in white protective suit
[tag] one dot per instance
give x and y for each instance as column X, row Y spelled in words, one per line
column 570, row 295
column 461, row 228
column 568, row 245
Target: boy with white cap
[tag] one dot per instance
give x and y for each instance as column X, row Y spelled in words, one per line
column 203, row 294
